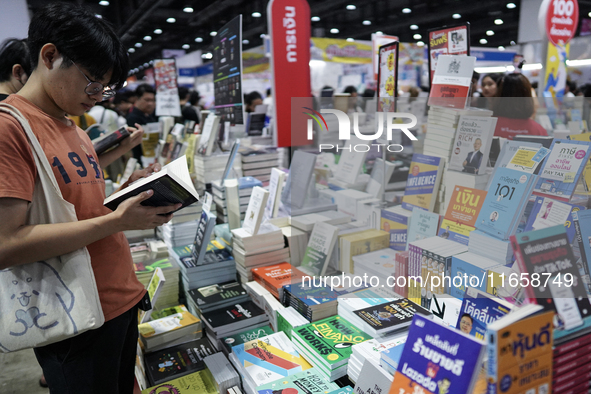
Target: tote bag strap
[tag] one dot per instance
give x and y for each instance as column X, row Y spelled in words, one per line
column 40, row 159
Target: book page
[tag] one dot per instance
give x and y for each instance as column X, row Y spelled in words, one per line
column 181, row 171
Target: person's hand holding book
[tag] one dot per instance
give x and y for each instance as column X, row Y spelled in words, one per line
column 134, row 139
column 134, row 216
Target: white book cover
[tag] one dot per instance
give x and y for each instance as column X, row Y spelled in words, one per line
column 275, row 189
column 208, row 134
column 154, row 288
column 471, row 146
column 373, row 379
column 319, row 249
column 233, row 203
column 451, row 81
column 376, row 183
column 298, row 182
column 255, row 210
column 350, row 162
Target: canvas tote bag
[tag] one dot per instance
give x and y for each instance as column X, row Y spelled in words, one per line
column 47, row 301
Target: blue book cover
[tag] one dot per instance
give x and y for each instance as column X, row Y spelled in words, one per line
column 505, row 202
column 247, row 182
column 392, row 355
column 466, row 271
column 202, row 237
column 397, row 226
column 422, row 184
column 562, row 169
column 547, row 212
column 478, row 312
column 438, row 359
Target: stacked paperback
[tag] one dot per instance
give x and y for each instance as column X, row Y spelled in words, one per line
column 258, row 162
column 233, row 319
column 216, row 296
column 274, row 277
column 170, row 330
column 211, row 168
column 371, row 351
column 224, row 194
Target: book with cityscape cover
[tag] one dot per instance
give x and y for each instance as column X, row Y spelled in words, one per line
column 200, row 382
column 423, row 181
column 309, row 381
column 171, row 185
column 437, row 359
column 177, row 361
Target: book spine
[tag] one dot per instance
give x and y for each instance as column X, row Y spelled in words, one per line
column 492, row 368
column 575, row 354
column 529, row 292
column 571, row 345
column 572, row 365
column 405, row 273
column 561, row 379
column 572, row 384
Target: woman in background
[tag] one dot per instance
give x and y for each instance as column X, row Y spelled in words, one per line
column 15, row 66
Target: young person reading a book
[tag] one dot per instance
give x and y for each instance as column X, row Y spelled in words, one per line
column 69, row 48
column 15, row 66
column 514, row 107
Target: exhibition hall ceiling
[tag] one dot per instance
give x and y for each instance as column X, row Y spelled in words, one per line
column 148, row 26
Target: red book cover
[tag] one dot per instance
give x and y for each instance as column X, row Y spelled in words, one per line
column 571, row 383
column 580, row 389
column 572, row 345
column 572, row 365
column 571, row 375
column 575, row 354
column 278, row 275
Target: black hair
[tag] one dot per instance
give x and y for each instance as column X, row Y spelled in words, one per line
column 268, row 91
column 13, row 51
column 194, row 97
column 121, row 97
column 250, row 97
column 476, row 75
column 144, row 88
column 572, row 85
column 80, row 37
column 496, row 77
column 183, row 92
column 468, row 315
column 369, row 93
column 350, row 89
column 515, row 86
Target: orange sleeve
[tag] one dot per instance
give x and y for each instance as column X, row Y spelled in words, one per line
column 17, row 165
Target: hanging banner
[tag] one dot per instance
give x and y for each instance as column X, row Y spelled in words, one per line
column 254, row 62
column 289, row 28
column 227, row 72
column 388, row 77
column 167, row 93
column 340, row 51
column 447, row 40
column 560, row 19
column 376, row 42
column 555, row 71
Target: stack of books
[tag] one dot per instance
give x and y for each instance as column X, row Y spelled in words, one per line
column 297, row 240
column 233, row 319
column 401, row 270
column 371, row 351
column 486, row 245
column 258, row 162
column 178, row 234
column 360, row 243
column 323, row 344
column 187, row 214
column 170, row 330
column 380, row 264
column 224, row 375
column 289, row 319
column 572, row 364
column 390, row 358
column 200, row 382
column 225, row 344
column 205, row 299
column 252, row 251
column 245, row 186
column 472, row 265
column 306, row 222
column 274, row 277
column 211, row 168
column 169, row 293
column 310, row 381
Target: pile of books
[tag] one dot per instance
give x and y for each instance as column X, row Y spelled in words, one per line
column 187, row 214
column 311, row 379
column 380, row 264
column 222, row 199
column 274, row 277
column 572, row 364
column 233, row 319
column 205, row 299
column 201, row 382
column 178, row 234
column 252, row 251
column 297, row 241
column 211, row 168
column 225, row 344
column 169, row 292
column 289, row 319
column 170, row 330
column 371, row 351
column 259, row 161
column 486, row 245
column 224, row 375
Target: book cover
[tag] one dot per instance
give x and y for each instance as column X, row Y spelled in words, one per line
column 209, row 134
column 267, row 359
column 255, row 210
column 330, row 339
column 201, row 382
column 587, row 170
column 177, row 361
column 396, row 225
column 238, row 312
column 451, row 81
column 246, row 336
column 437, row 359
column 562, row 169
column 422, row 184
column 278, row 275
column 310, row 381
column 547, row 212
column 471, row 146
column 203, row 297
column 527, row 159
column 110, row 140
column 462, row 211
column 154, row 288
column 202, row 237
column 555, row 281
column 167, row 324
column 390, row 316
column 422, row 225
column 275, row 189
column 504, row 202
column 582, row 225
column 319, row 249
column 478, row 310
column 300, row 175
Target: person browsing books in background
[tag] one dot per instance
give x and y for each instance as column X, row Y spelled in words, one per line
column 489, row 85
column 70, row 46
column 142, row 112
column 514, row 107
column 187, row 110
column 15, row 66
column 473, row 160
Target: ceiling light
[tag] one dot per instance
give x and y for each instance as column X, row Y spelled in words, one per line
column 262, row 35
column 207, row 55
column 414, row 27
column 420, row 43
column 351, row 7
column 366, row 23
column 379, row 33
column 199, row 39
column 131, row 50
column 256, row 14
column 245, row 42
column 513, row 43
column 104, row 3
column 188, row 9
column 490, row 33
column 456, row 16
column 483, row 41
column 334, row 31
column 171, row 20
column 213, row 33
column 315, row 19
column 138, row 44
column 417, row 37
column 406, row 10
column 147, row 38
column 493, row 69
column 151, row 62
column 98, row 16
column 590, row 14
column 350, row 39
column 124, row 83
column 136, row 70
column 158, row 31
column 146, row 65
column 186, row 46
column 538, row 66
column 572, row 63
column 140, row 68
column 511, row 5
column 498, row 21
column 501, row 48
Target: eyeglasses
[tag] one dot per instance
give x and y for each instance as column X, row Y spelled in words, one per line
column 96, row 87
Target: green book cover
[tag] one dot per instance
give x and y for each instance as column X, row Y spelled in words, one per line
column 309, row 381
column 201, row 382
column 330, row 339
column 283, row 325
column 247, row 336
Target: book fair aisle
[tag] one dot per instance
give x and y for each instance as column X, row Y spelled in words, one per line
column 410, row 241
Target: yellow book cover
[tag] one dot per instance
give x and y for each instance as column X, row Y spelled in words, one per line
column 201, row 382
column 167, row 324
column 361, row 243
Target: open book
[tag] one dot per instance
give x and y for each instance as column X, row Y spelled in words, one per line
column 171, row 185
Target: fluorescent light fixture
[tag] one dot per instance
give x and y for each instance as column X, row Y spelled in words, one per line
column 535, row 66
column 147, row 38
column 131, row 50
column 124, row 83
column 511, row 5
column 379, row 33
column 351, row 7
column 98, row 16
column 486, row 70
column 104, row 3
column 213, row 33
column 334, row 31
column 414, row 27
column 421, row 43
column 498, row 22
column 171, row 20
column 513, row 43
column 510, row 69
column 198, row 39
column 138, row 44
column 350, row 39
column 188, row 9
column 146, row 65
column 456, row 16
column 490, row 33
column 158, row 31
column 256, row 14
column 186, row 46
column 316, row 63
column 406, row 10
column 262, row 35
column 483, row 41
column 417, row 36
column 366, row 22
column 207, row 55
column 315, row 19
column 578, row 63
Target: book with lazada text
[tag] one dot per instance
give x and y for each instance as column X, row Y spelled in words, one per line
column 562, row 169
column 462, row 211
column 423, row 181
column 437, row 359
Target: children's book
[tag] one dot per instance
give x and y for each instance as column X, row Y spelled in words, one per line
column 437, row 359
column 423, row 181
column 471, row 146
column 462, row 211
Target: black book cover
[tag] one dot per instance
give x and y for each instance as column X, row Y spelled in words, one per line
column 232, row 314
column 391, row 315
column 111, row 140
column 214, row 294
column 174, row 362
